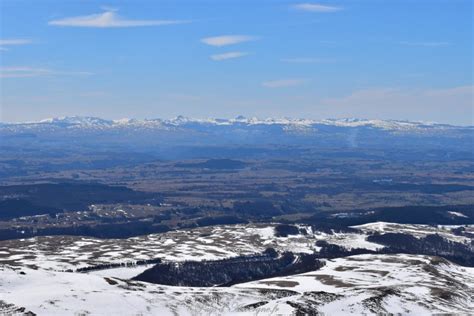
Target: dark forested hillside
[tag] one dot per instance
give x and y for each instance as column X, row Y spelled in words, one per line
column 230, row 271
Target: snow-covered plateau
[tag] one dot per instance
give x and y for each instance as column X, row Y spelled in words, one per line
column 363, row 284
column 33, row 276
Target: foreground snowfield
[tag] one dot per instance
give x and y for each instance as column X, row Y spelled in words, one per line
column 408, row 284
column 33, row 277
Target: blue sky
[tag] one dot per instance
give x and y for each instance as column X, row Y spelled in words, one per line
column 326, row 59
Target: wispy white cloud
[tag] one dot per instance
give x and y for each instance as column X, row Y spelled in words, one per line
column 4, row 43
column 229, row 55
column 27, row 72
column 316, row 7
column 109, row 18
column 22, row 72
column 225, row 40
column 17, row 41
column 283, row 83
column 426, row 44
column 306, row 60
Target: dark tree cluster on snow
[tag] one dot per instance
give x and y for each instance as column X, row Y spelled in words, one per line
column 116, row 265
column 231, row 271
column 433, row 245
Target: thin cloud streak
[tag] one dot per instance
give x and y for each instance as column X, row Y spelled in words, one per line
column 229, row 55
column 13, row 42
column 28, row 72
column 17, row 41
column 283, row 83
column 109, row 19
column 225, row 40
column 316, row 7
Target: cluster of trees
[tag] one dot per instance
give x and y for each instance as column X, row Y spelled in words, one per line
column 433, row 245
column 107, row 230
column 259, row 208
column 231, row 271
column 330, row 251
column 53, row 198
column 284, row 230
column 420, row 214
column 461, row 231
column 116, row 265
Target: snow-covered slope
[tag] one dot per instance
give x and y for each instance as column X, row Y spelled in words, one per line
column 365, row 284
column 33, row 277
column 417, row 230
column 203, row 243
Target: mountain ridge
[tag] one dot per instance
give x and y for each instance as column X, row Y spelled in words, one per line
column 97, row 122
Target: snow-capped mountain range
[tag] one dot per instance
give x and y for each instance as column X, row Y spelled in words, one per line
column 99, row 123
column 148, row 134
